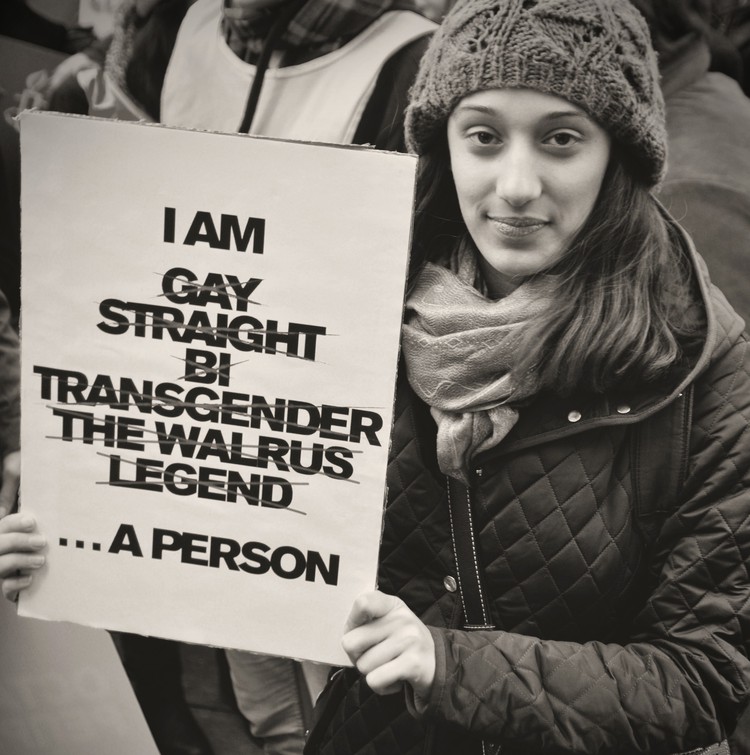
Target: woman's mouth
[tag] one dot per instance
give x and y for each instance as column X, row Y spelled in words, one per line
column 515, row 227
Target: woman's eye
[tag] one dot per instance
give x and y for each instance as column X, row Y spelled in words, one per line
column 563, row 139
column 483, row 137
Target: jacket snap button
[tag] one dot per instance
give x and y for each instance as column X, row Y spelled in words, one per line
column 623, row 409
column 574, row 416
column 450, row 584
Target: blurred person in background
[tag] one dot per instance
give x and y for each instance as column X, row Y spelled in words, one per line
column 707, row 184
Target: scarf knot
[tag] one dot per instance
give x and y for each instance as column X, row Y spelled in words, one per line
column 460, row 347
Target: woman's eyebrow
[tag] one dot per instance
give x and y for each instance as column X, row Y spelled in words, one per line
column 566, row 114
column 476, row 108
column 555, row 115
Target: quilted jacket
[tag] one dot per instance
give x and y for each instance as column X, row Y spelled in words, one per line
column 602, row 645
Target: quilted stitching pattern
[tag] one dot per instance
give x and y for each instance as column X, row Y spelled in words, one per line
column 562, row 550
column 372, row 725
column 686, row 661
column 561, row 556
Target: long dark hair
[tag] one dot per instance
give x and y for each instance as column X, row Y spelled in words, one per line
column 621, row 305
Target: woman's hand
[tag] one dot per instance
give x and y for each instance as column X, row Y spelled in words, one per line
column 389, row 645
column 19, row 553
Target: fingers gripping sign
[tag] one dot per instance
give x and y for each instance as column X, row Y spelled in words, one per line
column 20, row 555
column 389, row 645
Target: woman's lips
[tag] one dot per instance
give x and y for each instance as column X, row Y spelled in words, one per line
column 517, row 227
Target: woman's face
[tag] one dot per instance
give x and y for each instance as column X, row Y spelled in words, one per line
column 527, row 168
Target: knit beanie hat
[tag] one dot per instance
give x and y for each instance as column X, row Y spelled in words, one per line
column 596, row 54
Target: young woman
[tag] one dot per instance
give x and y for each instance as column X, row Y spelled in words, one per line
column 550, row 580
column 561, row 344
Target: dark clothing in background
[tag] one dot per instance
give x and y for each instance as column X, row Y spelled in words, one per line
column 19, row 21
column 152, row 47
column 10, row 383
column 10, row 258
column 707, row 186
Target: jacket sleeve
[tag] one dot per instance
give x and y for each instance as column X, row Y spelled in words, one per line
column 683, row 676
column 10, row 383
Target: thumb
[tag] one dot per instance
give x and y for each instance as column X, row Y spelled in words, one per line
column 370, row 606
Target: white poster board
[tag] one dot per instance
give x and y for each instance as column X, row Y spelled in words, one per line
column 210, row 334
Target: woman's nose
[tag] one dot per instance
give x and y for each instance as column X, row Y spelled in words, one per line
column 519, row 178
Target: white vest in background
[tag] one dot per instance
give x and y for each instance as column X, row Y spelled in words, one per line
column 206, row 85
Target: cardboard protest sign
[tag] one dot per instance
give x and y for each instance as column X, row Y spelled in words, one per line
column 210, row 331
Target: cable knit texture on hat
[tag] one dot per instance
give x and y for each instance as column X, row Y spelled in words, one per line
column 596, row 54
